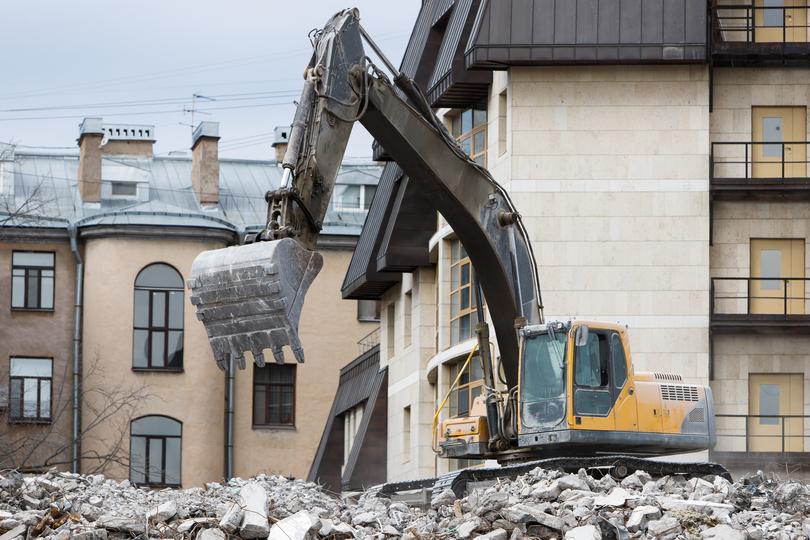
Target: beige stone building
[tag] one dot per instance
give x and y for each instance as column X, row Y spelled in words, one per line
column 122, row 226
column 657, row 153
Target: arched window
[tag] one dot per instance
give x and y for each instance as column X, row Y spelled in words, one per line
column 157, row 341
column 154, row 451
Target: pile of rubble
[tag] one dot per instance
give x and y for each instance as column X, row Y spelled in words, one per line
column 540, row 504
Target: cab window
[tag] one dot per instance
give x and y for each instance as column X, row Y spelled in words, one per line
column 619, row 361
column 592, row 395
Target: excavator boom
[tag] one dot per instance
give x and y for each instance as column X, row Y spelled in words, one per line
column 341, row 87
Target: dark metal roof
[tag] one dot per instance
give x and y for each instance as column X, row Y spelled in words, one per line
column 452, row 84
column 544, row 32
column 362, row 278
column 361, row 381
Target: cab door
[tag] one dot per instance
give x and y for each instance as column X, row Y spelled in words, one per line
column 625, row 408
column 780, row 21
column 601, row 390
column 773, row 260
column 778, row 149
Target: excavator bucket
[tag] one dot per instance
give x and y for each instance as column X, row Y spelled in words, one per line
column 249, row 298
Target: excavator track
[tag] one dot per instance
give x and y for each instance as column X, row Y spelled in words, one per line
column 618, row 466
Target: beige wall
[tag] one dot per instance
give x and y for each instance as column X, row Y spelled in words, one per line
column 329, row 332
column 610, row 171
column 39, row 334
column 195, row 397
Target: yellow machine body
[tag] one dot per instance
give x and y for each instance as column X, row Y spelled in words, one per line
column 579, row 395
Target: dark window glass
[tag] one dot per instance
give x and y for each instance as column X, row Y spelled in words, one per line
column 155, row 451
column 157, row 341
column 274, row 395
column 591, row 376
column 32, row 281
column 30, row 389
column 619, row 361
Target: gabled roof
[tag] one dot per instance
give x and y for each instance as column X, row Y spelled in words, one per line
column 165, row 195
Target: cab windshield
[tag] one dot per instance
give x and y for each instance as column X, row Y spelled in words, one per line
column 543, row 380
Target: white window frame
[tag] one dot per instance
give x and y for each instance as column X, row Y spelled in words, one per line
column 363, row 197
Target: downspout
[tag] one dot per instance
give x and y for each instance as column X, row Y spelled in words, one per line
column 77, row 341
column 230, row 385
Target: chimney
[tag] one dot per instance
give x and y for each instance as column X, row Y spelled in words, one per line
column 205, row 162
column 89, row 177
column 282, row 137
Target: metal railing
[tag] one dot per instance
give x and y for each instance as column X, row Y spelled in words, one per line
column 758, row 296
column 369, row 341
column 745, row 23
column 761, row 432
column 745, row 160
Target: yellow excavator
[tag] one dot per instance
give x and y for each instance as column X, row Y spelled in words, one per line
column 568, row 395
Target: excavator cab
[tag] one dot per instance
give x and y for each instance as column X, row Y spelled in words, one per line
column 578, row 395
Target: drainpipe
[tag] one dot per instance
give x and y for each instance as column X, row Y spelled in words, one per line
column 229, row 391
column 77, row 341
column 230, row 385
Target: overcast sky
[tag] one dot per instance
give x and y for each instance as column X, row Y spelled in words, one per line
column 63, row 61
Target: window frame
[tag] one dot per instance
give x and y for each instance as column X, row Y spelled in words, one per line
column 162, row 456
column 39, row 419
column 274, row 425
column 365, row 200
column 469, row 387
column 610, row 388
column 471, row 309
column 26, row 269
column 469, row 135
column 166, row 329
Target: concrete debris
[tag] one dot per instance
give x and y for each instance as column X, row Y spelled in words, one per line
column 540, row 504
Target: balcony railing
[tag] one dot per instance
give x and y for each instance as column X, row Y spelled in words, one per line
column 369, row 341
column 764, row 297
column 744, row 23
column 762, row 433
column 759, row 161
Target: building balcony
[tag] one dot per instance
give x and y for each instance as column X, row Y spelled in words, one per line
column 744, row 34
column 762, row 442
column 759, row 171
column 763, row 305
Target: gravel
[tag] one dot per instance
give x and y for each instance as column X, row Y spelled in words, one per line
column 541, row 504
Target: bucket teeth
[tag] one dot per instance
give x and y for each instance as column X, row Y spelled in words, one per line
column 249, row 298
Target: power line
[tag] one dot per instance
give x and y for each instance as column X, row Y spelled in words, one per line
column 141, row 113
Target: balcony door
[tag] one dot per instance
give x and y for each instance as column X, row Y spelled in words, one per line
column 775, row 394
column 773, row 261
column 778, row 130
column 780, row 21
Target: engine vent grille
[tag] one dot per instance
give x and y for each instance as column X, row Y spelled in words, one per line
column 667, row 377
column 679, row 392
column 697, row 415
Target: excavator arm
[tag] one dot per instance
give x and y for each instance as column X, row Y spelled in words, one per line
column 250, row 297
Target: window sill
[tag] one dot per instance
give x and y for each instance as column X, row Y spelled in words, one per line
column 157, row 370
column 32, row 310
column 274, row 427
column 33, row 421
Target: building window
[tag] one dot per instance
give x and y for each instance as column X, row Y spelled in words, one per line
column 353, row 198
column 351, row 425
column 469, row 386
column 30, row 389
column 502, row 106
column 390, row 326
column 407, row 316
column 32, row 275
column 124, row 189
column 469, row 127
column 274, row 395
column 406, row 434
column 158, row 329
column 154, row 447
column 463, row 315
column 368, row 310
